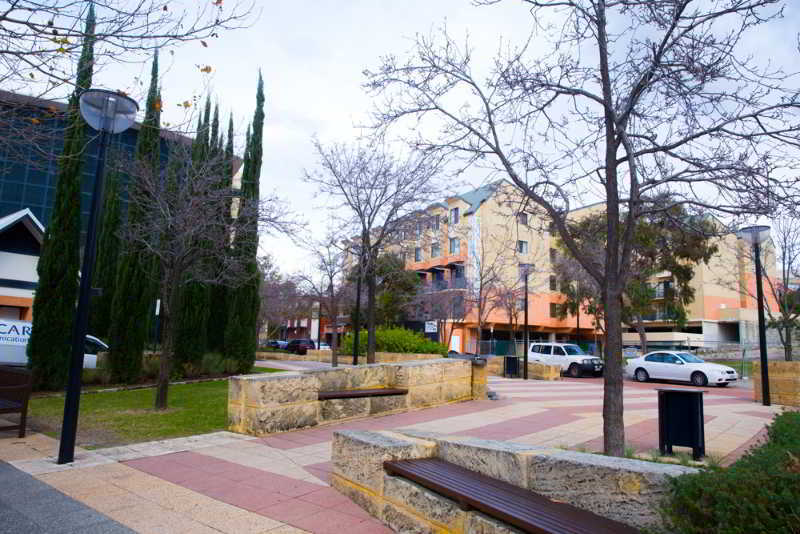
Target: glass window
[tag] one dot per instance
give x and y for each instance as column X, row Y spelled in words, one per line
column 522, row 218
column 690, row 358
column 454, row 216
column 553, row 310
column 418, row 254
column 671, row 358
column 656, row 358
column 522, row 247
column 419, row 228
column 520, row 303
column 553, row 283
column 552, row 255
column 573, row 350
column 455, row 245
column 545, row 349
column 435, row 250
column 559, row 351
column 435, row 222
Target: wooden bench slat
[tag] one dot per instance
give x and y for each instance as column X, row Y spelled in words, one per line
column 359, row 393
column 516, row 506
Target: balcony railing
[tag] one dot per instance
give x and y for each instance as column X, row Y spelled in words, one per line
column 442, row 285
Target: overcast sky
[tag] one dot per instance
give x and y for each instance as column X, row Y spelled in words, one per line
column 312, row 54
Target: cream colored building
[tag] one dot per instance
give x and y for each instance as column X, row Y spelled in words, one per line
column 476, row 246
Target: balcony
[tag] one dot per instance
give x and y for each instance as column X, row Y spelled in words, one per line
column 444, row 285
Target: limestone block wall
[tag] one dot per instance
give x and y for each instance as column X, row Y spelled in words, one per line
column 536, row 371
column 325, row 356
column 629, row 491
column 266, row 403
column 784, row 382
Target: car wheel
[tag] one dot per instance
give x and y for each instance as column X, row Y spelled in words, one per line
column 723, row 384
column 574, row 371
column 641, row 375
column 699, row 379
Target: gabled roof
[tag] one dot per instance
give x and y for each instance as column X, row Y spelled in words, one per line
column 28, row 219
column 478, row 196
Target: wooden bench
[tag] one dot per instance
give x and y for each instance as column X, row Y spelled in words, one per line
column 15, row 390
column 515, row 506
column 360, row 393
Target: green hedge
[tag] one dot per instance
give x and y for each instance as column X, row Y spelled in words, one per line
column 760, row 492
column 394, row 340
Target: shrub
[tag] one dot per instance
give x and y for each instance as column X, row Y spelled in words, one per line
column 760, row 492
column 150, row 365
column 394, row 340
column 212, row 363
column 96, row 377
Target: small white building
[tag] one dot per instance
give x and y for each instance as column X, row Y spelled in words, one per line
column 21, row 236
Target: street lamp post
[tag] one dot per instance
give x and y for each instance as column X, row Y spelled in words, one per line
column 109, row 113
column 526, row 271
column 755, row 235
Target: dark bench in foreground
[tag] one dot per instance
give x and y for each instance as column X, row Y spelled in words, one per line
column 15, row 390
column 515, row 506
column 360, row 393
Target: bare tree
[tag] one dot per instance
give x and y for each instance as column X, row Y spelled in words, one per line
column 328, row 285
column 617, row 101
column 280, row 297
column 372, row 190
column 182, row 229
column 42, row 40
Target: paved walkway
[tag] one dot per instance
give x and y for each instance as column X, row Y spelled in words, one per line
column 229, row 483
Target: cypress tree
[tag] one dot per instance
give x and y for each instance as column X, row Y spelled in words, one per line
column 134, row 287
column 49, row 347
column 191, row 340
column 241, row 329
column 107, row 254
column 218, row 293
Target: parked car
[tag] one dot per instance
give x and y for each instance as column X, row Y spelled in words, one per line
column 324, row 346
column 14, row 337
column 568, row 356
column 300, row 346
column 681, row 366
column 277, row 343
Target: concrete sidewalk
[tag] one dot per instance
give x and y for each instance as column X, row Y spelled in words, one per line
column 229, row 483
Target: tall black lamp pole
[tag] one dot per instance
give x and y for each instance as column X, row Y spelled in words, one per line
column 109, row 113
column 756, row 235
column 526, row 272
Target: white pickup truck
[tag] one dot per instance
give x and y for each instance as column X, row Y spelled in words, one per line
column 569, row 357
column 14, row 336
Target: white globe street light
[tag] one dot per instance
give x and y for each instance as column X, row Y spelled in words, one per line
column 109, row 113
column 755, row 235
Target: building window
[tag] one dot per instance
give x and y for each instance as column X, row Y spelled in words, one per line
column 522, row 247
column 435, row 250
column 455, row 245
column 554, row 310
column 435, row 222
column 419, row 228
column 553, row 254
column 523, row 269
column 521, row 303
column 418, row 254
column 551, row 228
column 553, row 283
column 454, row 216
column 522, row 218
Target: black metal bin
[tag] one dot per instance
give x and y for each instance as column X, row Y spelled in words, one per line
column 680, row 420
column 511, row 366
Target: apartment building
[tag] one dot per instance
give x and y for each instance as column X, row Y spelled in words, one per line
column 471, row 251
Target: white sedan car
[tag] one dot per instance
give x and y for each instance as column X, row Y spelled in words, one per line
column 677, row 365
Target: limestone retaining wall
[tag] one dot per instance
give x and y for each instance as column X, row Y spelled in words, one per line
column 536, row 371
column 629, row 491
column 325, row 356
column 784, row 382
column 266, row 403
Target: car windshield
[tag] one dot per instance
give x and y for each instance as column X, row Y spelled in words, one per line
column 690, row 358
column 573, row 350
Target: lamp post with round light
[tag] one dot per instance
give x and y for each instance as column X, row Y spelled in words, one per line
column 109, row 113
column 755, row 235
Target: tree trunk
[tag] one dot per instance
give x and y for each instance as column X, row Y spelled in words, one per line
column 787, row 347
column 642, row 334
column 613, row 423
column 334, row 345
column 371, row 297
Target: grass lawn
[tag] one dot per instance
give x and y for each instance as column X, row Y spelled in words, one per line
column 120, row 417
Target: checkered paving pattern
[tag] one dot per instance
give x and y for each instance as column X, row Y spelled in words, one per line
column 280, row 484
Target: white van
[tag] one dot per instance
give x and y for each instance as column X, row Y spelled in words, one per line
column 568, row 356
column 14, row 337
